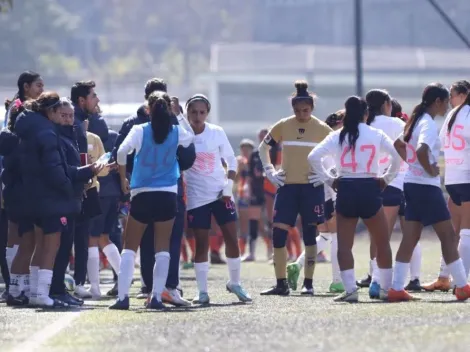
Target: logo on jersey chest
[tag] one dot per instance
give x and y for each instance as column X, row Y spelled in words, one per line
column 301, row 133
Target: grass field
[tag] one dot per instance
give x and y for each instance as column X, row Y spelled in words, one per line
column 294, row 323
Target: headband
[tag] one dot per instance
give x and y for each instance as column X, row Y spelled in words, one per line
column 199, row 97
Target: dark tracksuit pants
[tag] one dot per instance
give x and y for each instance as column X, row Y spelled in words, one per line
column 3, row 247
column 147, row 251
column 62, row 258
column 82, row 230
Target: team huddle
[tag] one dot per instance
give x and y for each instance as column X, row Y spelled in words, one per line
column 368, row 161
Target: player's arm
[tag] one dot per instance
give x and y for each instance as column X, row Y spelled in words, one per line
column 426, row 140
column 387, row 146
column 315, row 158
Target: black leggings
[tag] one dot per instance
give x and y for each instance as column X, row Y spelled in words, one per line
column 3, row 247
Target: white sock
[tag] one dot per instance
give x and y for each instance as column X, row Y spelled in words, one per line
column 457, row 271
column 444, row 270
column 386, row 276
column 415, row 264
column 464, row 249
column 10, row 255
column 26, row 286
column 33, row 280
column 301, row 260
column 400, row 274
column 93, row 267
column 114, row 258
column 126, row 272
column 322, row 241
column 16, row 284
column 375, row 271
column 202, row 271
column 44, row 282
column 160, row 274
column 234, row 270
column 371, row 268
column 334, row 258
column 349, row 280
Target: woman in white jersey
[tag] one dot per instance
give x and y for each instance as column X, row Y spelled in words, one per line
column 425, row 203
column 379, row 103
column 209, row 193
column 458, row 94
column 357, row 149
column 153, row 189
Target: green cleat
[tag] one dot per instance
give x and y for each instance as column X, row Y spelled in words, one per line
column 336, row 287
column 293, row 273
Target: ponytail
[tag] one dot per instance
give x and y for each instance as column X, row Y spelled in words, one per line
column 356, row 108
column 418, row 111
column 160, row 116
column 15, row 111
column 456, row 111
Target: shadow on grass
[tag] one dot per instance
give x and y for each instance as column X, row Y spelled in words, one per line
column 191, row 308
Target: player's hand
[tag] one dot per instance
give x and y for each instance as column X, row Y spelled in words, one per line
column 125, row 188
column 276, row 177
column 175, row 106
column 315, row 179
column 434, row 170
column 96, row 168
column 334, row 185
column 382, row 183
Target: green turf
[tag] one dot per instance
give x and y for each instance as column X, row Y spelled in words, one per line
column 271, row 323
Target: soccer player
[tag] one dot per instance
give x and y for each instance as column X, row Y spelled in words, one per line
column 209, row 193
column 425, row 203
column 356, row 149
column 153, row 189
column 299, row 191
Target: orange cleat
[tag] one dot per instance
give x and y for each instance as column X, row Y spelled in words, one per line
column 441, row 284
column 400, row 296
column 462, row 293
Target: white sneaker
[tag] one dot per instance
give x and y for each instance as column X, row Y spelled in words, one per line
column 173, row 297
column 351, row 297
column 81, row 292
column 94, row 292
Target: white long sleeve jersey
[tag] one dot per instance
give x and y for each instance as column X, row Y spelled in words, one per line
column 359, row 162
column 206, row 179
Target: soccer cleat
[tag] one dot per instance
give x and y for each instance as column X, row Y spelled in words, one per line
column 248, row 258
column 4, row 296
column 293, row 273
column 374, row 290
column 143, row 294
column 173, row 297
column 400, row 296
column 48, row 302
column 365, row 282
column 322, row 257
column 113, row 292
column 441, row 284
column 276, row 291
column 336, row 287
column 238, row 291
column 351, row 297
column 201, row 298
column 69, row 299
column 383, row 295
column 81, row 292
column 155, row 304
column 414, row 285
column 19, row 301
column 216, row 258
column 94, row 292
column 307, row 291
column 462, row 293
column 188, row 265
column 120, row 305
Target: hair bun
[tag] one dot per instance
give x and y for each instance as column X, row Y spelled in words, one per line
column 302, row 88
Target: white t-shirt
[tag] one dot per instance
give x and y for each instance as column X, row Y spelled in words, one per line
column 424, row 132
column 392, row 127
column 456, row 147
column 360, row 162
column 206, row 179
column 134, row 140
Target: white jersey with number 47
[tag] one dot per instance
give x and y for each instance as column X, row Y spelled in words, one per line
column 359, row 162
column 456, row 147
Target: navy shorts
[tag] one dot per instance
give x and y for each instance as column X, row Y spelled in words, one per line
column 223, row 212
column 392, row 197
column 105, row 223
column 51, row 224
column 329, row 209
column 358, row 197
column 24, row 225
column 154, row 206
column 299, row 199
column 459, row 193
column 425, row 204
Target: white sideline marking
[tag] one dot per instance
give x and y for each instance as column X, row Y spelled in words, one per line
column 36, row 341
